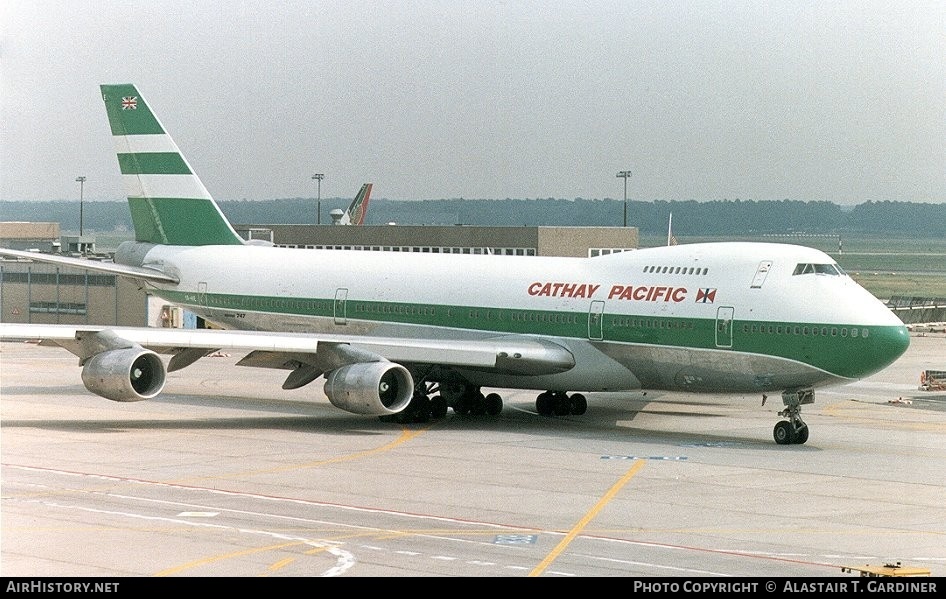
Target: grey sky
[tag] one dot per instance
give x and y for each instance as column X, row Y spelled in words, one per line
column 838, row 101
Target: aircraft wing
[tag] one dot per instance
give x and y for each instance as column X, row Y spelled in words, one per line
column 517, row 354
column 146, row 274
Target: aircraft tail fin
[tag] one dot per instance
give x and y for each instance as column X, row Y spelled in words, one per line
column 168, row 202
column 359, row 207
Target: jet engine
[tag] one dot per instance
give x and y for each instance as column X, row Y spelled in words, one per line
column 371, row 388
column 128, row 374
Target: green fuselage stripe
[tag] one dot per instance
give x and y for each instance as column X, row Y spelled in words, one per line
column 153, row 163
column 843, row 351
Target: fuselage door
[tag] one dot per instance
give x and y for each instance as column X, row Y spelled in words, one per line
column 202, row 294
column 341, row 299
column 764, row 267
column 595, row 318
column 724, row 316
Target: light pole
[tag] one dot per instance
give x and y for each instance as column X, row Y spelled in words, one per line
column 318, row 218
column 81, row 180
column 624, row 175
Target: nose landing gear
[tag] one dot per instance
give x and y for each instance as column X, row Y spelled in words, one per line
column 793, row 431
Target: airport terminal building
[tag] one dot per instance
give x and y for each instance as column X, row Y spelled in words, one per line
column 456, row 239
column 32, row 292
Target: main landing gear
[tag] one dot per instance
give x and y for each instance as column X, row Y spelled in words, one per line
column 431, row 400
column 559, row 403
column 424, row 407
column 794, row 430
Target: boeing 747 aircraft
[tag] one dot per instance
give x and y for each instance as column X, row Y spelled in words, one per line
column 406, row 336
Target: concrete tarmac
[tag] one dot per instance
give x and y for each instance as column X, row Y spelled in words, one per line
column 227, row 475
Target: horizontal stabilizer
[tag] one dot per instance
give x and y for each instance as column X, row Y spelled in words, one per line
column 133, row 272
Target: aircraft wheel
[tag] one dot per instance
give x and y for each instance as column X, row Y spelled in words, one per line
column 579, row 404
column 561, row 405
column 438, row 407
column 801, row 435
column 422, row 406
column 784, row 433
column 479, row 405
column 462, row 405
column 494, row 404
column 543, row 404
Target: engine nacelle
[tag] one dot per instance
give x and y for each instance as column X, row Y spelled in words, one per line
column 372, row 388
column 130, row 374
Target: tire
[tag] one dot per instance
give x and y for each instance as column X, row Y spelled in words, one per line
column 579, row 404
column 561, row 405
column 784, row 433
column 462, row 405
column 494, row 404
column 479, row 405
column 801, row 435
column 438, row 407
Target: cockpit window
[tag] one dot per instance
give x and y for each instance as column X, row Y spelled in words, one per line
column 827, row 269
column 822, row 269
column 804, row 269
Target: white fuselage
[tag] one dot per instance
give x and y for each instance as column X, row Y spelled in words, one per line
column 656, row 318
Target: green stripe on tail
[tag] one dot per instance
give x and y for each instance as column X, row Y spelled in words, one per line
column 169, row 204
column 153, row 163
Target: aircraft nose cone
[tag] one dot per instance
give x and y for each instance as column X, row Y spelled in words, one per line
column 886, row 347
column 902, row 341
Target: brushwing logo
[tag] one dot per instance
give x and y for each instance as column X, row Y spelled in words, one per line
column 358, row 214
column 130, row 103
column 706, row 296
